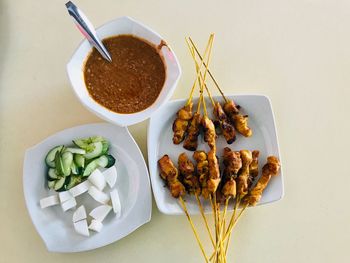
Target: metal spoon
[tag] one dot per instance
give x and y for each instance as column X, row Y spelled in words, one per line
column 87, row 29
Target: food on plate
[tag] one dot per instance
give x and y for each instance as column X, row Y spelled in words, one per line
column 270, row 169
column 214, row 172
column 184, row 116
column 254, row 167
column 233, row 163
column 95, row 225
column 81, row 227
column 64, row 196
column 80, row 188
column 202, row 168
column 79, row 214
column 69, row 204
column 49, row 201
column 227, row 128
column 117, row 209
column 191, row 141
column 98, row 195
column 188, row 176
column 99, row 213
column 243, row 175
column 170, row 175
column 69, row 166
column 97, row 179
column 132, row 81
column 239, row 121
column 75, row 170
column 240, row 181
column 110, row 176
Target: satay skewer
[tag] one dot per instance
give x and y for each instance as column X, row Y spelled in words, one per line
column 206, row 67
column 182, row 202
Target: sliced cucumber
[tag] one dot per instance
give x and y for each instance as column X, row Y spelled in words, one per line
column 105, row 161
column 59, row 164
column 97, row 150
column 79, row 160
column 75, row 150
column 90, row 168
column 50, row 157
column 105, row 147
column 74, row 180
column 67, row 160
column 51, row 184
column 59, row 184
column 52, row 174
column 84, row 144
column 74, row 169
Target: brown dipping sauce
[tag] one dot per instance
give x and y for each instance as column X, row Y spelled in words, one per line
column 132, row 81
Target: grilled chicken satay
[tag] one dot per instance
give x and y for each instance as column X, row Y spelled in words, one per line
column 169, row 174
column 191, row 141
column 189, row 179
column 209, row 131
column 253, row 168
column 202, row 168
column 214, row 172
column 243, row 177
column 184, row 115
column 233, row 163
column 271, row 168
column 227, row 128
column 239, row 121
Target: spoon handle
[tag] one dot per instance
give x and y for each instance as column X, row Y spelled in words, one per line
column 87, row 29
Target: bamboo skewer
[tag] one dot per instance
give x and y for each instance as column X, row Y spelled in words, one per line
column 206, row 66
column 205, row 220
column 198, row 71
column 193, row 228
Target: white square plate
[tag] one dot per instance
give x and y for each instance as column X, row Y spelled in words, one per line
column 264, row 139
column 55, row 226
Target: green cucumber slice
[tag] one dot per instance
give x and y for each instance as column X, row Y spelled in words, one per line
column 59, row 184
column 79, row 160
column 75, row 150
column 84, row 144
column 105, row 161
column 90, row 168
column 74, row 169
column 51, row 184
column 52, row 174
column 50, row 157
column 59, row 164
column 67, row 160
column 105, row 147
column 97, row 150
column 74, row 180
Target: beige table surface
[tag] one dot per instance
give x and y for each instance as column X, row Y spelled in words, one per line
column 296, row 52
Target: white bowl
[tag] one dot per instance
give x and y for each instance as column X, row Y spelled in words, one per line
column 55, row 226
column 264, row 139
column 123, row 25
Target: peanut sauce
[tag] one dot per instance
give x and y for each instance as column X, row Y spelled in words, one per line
column 132, row 81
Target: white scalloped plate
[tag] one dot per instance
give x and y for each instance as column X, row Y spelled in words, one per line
column 54, row 226
column 264, row 139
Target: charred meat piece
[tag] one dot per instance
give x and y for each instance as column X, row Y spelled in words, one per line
column 227, row 128
column 169, row 174
column 214, row 172
column 239, row 121
column 233, row 164
column 243, row 176
column 202, row 168
column 184, row 115
column 271, row 168
column 188, row 176
column 254, row 168
column 209, row 131
column 191, row 141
